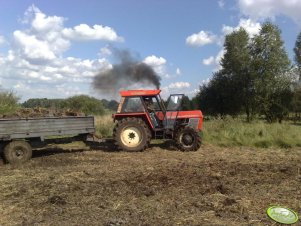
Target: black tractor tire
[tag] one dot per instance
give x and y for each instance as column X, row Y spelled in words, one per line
column 187, row 139
column 17, row 152
column 132, row 134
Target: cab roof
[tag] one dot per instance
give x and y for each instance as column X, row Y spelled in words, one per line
column 128, row 93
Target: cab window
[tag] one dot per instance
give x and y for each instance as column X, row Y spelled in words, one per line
column 132, row 104
column 152, row 102
column 174, row 102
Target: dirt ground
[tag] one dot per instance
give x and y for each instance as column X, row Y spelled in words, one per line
column 160, row 186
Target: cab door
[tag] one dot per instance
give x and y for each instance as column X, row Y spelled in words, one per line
column 172, row 110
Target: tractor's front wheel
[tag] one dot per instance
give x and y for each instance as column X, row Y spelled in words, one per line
column 188, row 139
column 132, row 134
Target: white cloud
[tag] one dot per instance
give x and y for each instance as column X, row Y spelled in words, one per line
column 35, row 65
column 154, row 61
column 208, row 61
column 221, row 3
column 200, row 39
column 42, row 23
column 52, row 26
column 215, row 61
column 32, row 48
column 262, row 9
column 48, row 37
column 179, row 85
column 29, row 14
column 2, row 40
column 251, row 27
column 84, row 32
column 72, row 71
column 178, row 71
column 105, row 51
column 47, row 29
column 158, row 64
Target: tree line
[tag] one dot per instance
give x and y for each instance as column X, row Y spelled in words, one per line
column 84, row 103
column 9, row 103
column 256, row 77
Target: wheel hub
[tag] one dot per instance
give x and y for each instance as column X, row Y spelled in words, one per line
column 187, row 139
column 19, row 152
column 131, row 136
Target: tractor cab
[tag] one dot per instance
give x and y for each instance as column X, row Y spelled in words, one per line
column 163, row 115
column 151, row 103
column 163, row 120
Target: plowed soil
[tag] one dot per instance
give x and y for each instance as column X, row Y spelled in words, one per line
column 160, row 186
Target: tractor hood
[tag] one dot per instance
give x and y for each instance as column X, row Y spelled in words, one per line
column 195, row 115
column 190, row 114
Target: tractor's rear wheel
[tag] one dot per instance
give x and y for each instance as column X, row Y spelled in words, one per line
column 188, row 139
column 132, row 134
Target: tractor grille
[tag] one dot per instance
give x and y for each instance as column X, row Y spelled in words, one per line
column 193, row 122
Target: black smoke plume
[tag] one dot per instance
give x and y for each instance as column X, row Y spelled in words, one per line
column 124, row 74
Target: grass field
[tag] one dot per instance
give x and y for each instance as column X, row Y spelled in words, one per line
column 234, row 132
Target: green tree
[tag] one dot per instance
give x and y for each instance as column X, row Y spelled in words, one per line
column 269, row 67
column 297, row 50
column 195, row 101
column 218, row 96
column 43, row 103
column 86, row 104
column 111, row 105
column 230, row 90
column 236, row 66
column 186, row 104
column 296, row 103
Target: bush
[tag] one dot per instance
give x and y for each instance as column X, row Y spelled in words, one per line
column 86, row 104
column 8, row 102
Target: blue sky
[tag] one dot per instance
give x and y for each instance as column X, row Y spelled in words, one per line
column 54, row 48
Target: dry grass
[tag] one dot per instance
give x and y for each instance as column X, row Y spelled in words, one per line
column 104, row 125
column 161, row 186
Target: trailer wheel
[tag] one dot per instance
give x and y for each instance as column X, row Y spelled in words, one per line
column 17, row 151
column 132, row 134
column 188, row 139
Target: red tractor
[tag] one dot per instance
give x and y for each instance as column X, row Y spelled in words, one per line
column 142, row 116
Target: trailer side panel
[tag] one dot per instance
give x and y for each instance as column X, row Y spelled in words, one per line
column 42, row 127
